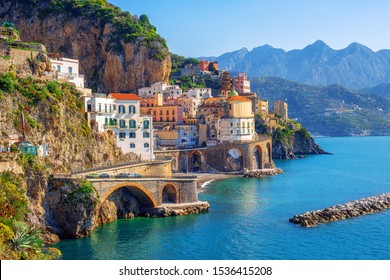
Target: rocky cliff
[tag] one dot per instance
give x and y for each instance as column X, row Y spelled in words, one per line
column 117, row 51
column 53, row 116
column 295, row 145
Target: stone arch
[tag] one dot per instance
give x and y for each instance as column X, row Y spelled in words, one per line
column 235, row 159
column 195, row 159
column 143, row 196
column 169, row 193
column 258, row 157
column 269, row 150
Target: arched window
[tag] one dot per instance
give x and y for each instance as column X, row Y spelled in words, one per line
column 146, row 145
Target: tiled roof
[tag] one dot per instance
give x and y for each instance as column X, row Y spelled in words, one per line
column 124, row 96
column 239, row 98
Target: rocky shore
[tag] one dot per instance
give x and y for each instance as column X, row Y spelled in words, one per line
column 344, row 211
column 177, row 210
column 258, row 173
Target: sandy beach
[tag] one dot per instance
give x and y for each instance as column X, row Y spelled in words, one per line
column 205, row 177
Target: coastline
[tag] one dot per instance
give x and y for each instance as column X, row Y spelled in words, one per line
column 205, row 178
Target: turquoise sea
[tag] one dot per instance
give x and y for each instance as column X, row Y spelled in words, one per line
column 248, row 218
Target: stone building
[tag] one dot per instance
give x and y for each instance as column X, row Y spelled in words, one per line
column 281, row 108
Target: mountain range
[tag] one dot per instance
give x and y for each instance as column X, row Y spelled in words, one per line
column 355, row 66
column 331, row 110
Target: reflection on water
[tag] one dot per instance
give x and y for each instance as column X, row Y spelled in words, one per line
column 248, row 218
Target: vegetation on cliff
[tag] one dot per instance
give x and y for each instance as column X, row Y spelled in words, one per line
column 288, row 139
column 53, row 115
column 118, row 52
column 18, row 239
column 128, row 27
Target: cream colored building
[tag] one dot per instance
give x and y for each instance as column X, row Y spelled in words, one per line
column 240, row 125
column 281, row 108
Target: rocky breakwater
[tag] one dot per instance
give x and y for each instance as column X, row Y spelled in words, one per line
column 344, row 211
column 178, row 210
column 258, row 173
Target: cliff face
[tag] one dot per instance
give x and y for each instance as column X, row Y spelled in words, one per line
column 295, row 145
column 107, row 60
column 54, row 116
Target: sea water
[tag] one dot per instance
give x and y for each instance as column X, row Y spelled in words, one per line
column 248, row 218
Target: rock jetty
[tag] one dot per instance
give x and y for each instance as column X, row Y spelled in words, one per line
column 344, row 211
column 258, row 173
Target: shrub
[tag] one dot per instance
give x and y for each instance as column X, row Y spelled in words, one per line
column 13, row 200
column 7, row 83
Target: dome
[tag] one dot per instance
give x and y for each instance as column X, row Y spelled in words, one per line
column 233, row 92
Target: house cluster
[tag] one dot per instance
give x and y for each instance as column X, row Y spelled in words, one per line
column 164, row 116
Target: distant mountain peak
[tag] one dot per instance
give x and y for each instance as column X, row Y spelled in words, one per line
column 317, row 45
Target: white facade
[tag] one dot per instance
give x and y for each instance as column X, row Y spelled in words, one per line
column 199, row 93
column 161, row 87
column 235, row 129
column 68, row 69
column 187, row 136
column 121, row 114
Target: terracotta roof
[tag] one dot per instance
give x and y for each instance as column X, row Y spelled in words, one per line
column 239, row 98
column 124, row 96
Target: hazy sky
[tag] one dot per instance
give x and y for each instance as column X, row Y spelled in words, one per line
column 212, row 27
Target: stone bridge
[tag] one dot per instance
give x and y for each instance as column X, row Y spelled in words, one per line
column 224, row 158
column 150, row 192
column 154, row 188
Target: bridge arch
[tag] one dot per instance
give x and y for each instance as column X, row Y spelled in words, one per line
column 269, row 150
column 258, row 157
column 169, row 193
column 195, row 159
column 143, row 196
column 235, row 159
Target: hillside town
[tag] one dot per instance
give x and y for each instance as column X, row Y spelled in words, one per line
column 161, row 116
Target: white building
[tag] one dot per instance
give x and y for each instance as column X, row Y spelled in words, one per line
column 193, row 98
column 239, row 125
column 68, row 69
column 121, row 114
column 187, row 135
column 173, row 91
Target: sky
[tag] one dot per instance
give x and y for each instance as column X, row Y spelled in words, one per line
column 195, row 28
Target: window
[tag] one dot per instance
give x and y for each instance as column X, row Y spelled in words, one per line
column 160, row 119
column 70, row 70
column 132, row 145
column 121, row 109
column 105, row 121
column 154, row 113
column 146, row 124
column 146, row 145
column 122, row 135
column 132, row 135
column 146, row 134
column 132, row 109
column 122, row 124
column 105, row 108
column 100, row 107
column 133, row 124
column 167, row 112
column 58, row 68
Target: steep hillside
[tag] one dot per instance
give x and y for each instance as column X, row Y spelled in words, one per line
column 382, row 90
column 356, row 66
column 117, row 51
column 332, row 110
column 54, row 116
